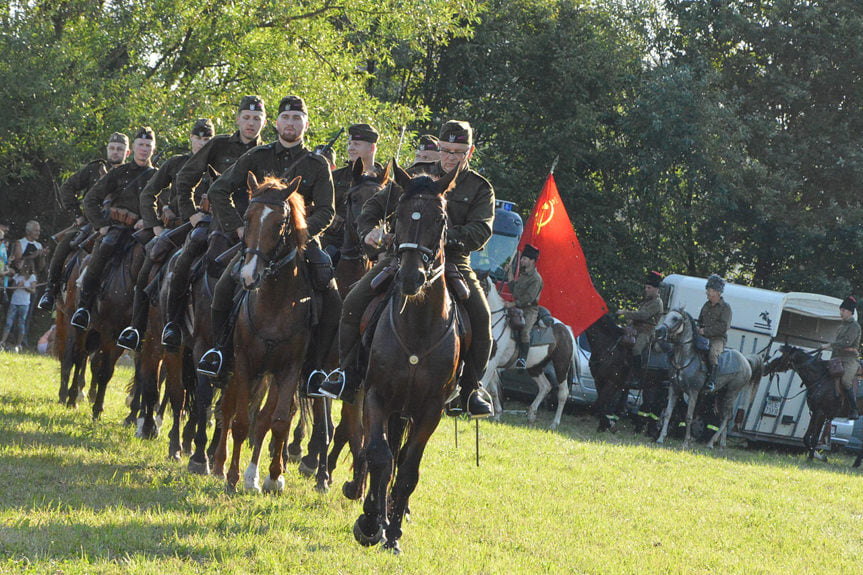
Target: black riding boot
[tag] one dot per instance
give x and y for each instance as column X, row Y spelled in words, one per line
column 473, row 398
column 215, row 359
column 523, row 350
column 852, row 403
column 710, row 382
column 132, row 336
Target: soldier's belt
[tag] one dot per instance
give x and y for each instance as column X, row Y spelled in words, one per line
column 122, row 216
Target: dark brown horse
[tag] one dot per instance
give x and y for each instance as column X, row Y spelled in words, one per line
column 413, row 360
column 71, row 348
column 610, row 363
column 823, row 398
column 112, row 312
column 272, row 330
column 353, row 264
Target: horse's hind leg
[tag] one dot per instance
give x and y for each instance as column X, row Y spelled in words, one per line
column 229, row 408
column 189, row 380
column 666, row 415
column 295, row 448
column 322, row 432
column 690, row 413
column 544, row 387
column 199, row 462
column 175, row 389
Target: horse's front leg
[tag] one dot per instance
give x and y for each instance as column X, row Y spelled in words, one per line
column 369, row 527
column 263, row 420
column 280, row 427
column 690, row 414
column 544, row 387
column 666, row 415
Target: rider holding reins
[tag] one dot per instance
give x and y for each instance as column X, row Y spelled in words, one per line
column 845, row 347
column 713, row 323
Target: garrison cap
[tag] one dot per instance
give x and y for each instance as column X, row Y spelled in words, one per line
column 252, row 103
column 118, row 138
column 653, row 279
column 456, row 132
column 849, row 303
column 203, row 128
column 428, row 142
column 363, row 133
column 530, row 251
column 145, row 133
column 293, row 104
column 715, row 282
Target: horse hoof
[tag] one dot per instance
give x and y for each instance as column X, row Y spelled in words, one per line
column 230, row 488
column 139, row 430
column 129, row 399
column 660, row 440
column 552, row 427
column 305, row 470
column 198, row 467
column 275, row 486
column 350, row 491
column 392, row 547
column 294, row 456
column 251, row 479
column 820, row 456
column 366, row 540
column 175, row 456
column 322, row 487
column 219, row 474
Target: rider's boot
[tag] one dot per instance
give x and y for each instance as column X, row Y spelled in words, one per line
column 46, row 302
column 473, row 397
column 216, row 358
column 523, row 350
column 710, row 383
column 132, row 336
column 852, row 403
column 342, row 384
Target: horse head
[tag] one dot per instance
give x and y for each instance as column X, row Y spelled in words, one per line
column 363, row 187
column 420, row 229
column 274, row 228
column 673, row 325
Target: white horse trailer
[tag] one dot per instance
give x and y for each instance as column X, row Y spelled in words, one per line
column 761, row 321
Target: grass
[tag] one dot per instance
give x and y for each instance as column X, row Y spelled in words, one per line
column 84, row 497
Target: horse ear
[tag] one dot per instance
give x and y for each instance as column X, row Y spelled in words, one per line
column 292, row 186
column 251, row 181
column 402, row 177
column 357, row 172
column 384, row 176
column 447, row 182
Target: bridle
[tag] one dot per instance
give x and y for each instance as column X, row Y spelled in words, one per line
column 275, row 261
column 432, row 258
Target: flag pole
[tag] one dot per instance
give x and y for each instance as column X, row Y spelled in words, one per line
column 554, row 164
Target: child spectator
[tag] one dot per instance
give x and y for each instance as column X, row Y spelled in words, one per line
column 23, row 285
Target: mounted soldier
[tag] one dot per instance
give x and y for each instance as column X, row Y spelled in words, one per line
column 713, row 323
column 176, row 209
column 122, row 188
column 191, row 184
column 526, row 289
column 470, row 213
column 285, row 158
column 426, row 157
column 644, row 320
column 362, row 143
column 846, row 346
column 72, row 192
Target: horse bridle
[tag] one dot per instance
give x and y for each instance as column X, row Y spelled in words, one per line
column 429, row 256
column 274, row 263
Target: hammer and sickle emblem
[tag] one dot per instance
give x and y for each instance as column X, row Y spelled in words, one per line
column 545, row 215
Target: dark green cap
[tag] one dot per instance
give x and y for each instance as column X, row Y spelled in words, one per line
column 293, row 104
column 118, row 138
column 456, row 132
column 145, row 133
column 428, row 143
column 252, row 103
column 203, row 128
column 363, row 132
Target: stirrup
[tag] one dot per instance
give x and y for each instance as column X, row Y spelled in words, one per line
column 46, row 302
column 81, row 318
column 129, row 339
column 211, row 367
column 315, row 391
column 171, row 329
column 478, row 393
column 337, row 379
column 521, row 363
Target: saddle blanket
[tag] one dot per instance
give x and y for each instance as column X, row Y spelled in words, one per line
column 728, row 362
column 541, row 335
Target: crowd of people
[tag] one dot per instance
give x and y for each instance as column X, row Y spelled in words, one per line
column 20, row 262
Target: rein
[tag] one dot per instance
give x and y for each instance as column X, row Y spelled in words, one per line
column 274, row 263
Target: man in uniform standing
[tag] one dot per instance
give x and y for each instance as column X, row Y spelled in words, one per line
column 285, row 158
column 71, row 193
column 124, row 184
column 362, row 143
column 191, row 184
column 644, row 320
column 713, row 323
column 176, row 209
column 526, row 289
column 846, row 346
column 470, row 213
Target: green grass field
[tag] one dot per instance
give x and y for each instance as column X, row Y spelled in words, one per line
column 84, row 497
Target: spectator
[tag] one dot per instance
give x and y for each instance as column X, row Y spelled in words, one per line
column 46, row 342
column 23, row 285
column 4, row 266
column 22, row 250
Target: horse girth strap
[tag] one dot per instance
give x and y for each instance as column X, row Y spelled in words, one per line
column 450, row 329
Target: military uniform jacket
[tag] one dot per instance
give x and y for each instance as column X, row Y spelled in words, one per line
column 715, row 319
column 272, row 160
column 75, row 188
column 161, row 181
column 469, row 209
column 124, row 184
column 646, row 317
column 847, row 339
column 343, row 180
column 526, row 289
column 193, row 179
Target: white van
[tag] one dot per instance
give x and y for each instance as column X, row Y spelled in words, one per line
column 762, row 320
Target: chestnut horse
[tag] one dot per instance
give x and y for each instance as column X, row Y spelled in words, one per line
column 272, row 331
column 413, row 360
column 71, row 342
column 353, row 264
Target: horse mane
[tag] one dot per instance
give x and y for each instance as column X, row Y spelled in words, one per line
column 296, row 204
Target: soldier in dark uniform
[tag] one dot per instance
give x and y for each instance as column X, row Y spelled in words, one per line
column 71, row 193
column 362, row 143
column 285, row 158
column 846, row 346
column 713, row 323
column 426, row 158
column 644, row 319
column 176, row 209
column 526, row 290
column 470, row 211
column 192, row 183
column 124, row 185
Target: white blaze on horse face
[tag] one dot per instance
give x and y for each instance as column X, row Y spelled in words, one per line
column 248, row 270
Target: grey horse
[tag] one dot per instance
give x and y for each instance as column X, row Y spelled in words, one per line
column 688, row 374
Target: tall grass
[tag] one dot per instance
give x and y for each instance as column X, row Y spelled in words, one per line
column 78, row 496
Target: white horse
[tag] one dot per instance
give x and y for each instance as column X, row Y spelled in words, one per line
column 559, row 354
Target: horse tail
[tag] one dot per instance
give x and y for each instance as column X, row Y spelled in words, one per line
column 130, row 385
column 756, row 363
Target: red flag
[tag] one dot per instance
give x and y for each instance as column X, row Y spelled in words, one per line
column 567, row 291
